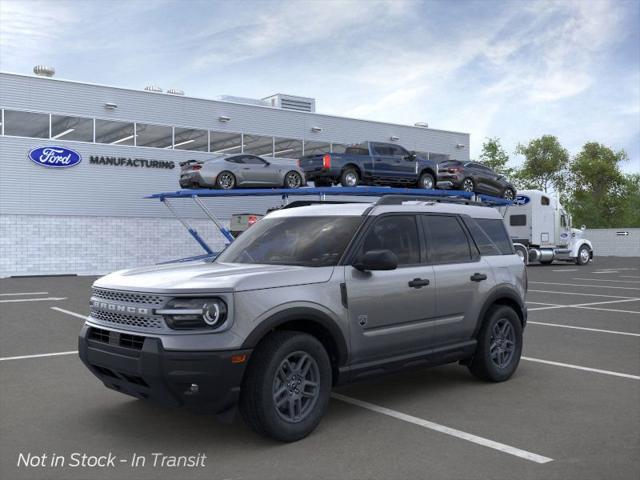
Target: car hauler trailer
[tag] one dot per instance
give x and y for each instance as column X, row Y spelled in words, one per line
column 541, row 230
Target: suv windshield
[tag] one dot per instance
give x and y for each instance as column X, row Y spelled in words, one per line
column 304, row 241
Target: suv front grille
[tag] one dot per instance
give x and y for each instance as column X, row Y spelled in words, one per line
column 125, row 340
column 128, row 297
column 129, row 320
column 99, row 335
column 131, row 341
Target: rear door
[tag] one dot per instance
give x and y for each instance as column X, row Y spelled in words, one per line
column 391, row 312
column 403, row 168
column 462, row 277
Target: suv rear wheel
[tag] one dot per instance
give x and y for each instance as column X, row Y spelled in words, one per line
column 499, row 345
column 286, row 389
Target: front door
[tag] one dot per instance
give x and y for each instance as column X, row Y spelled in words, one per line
column 391, row 311
column 257, row 171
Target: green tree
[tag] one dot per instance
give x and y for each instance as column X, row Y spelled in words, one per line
column 495, row 157
column 545, row 164
column 630, row 216
column 599, row 194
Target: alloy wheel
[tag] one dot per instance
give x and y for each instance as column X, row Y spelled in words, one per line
column 502, row 344
column 427, row 182
column 226, row 181
column 296, row 387
column 293, row 180
column 467, row 185
column 351, row 179
column 508, row 194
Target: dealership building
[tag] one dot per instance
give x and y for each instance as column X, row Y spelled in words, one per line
column 91, row 217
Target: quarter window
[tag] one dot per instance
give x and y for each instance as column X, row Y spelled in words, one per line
column 494, row 229
column 397, row 233
column 447, row 240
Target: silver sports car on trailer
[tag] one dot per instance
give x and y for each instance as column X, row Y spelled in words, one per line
column 244, row 170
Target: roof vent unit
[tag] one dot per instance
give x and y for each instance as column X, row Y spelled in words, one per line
column 421, row 124
column 245, row 100
column 175, row 91
column 44, row 71
column 291, row 102
column 153, row 88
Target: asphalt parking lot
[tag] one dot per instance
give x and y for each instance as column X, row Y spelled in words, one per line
column 572, row 410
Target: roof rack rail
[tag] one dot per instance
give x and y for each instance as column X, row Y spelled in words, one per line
column 399, row 199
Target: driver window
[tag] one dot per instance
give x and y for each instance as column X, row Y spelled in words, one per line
column 397, row 233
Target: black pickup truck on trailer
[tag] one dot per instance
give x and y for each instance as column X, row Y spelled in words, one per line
column 370, row 163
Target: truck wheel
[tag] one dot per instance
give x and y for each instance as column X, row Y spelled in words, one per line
column 349, row 178
column 285, row 392
column 583, row 255
column 426, row 181
column 226, row 180
column 499, row 345
column 546, row 262
column 468, row 185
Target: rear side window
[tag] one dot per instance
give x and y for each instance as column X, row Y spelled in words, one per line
column 518, row 220
column 448, row 241
column 356, row 151
column 492, row 239
column 398, row 233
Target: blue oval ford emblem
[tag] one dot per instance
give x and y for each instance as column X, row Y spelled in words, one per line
column 521, row 200
column 55, row 157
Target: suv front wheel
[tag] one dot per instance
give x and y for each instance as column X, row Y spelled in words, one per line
column 499, row 345
column 286, row 389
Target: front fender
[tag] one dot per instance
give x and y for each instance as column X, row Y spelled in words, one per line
column 579, row 243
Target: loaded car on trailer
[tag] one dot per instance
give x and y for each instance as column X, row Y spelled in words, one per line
column 371, row 163
column 474, row 177
column 308, row 298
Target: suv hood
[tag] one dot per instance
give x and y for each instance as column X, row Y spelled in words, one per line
column 195, row 277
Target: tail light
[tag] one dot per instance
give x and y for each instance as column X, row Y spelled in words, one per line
column 299, row 162
column 252, row 219
column 453, row 170
column 326, row 161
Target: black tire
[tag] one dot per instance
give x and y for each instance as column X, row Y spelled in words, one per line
column 293, row 180
column 546, row 262
column 349, row 177
column 225, row 180
column 483, row 365
column 509, row 194
column 322, row 182
column 584, row 255
column 468, row 185
column 427, row 181
column 257, row 403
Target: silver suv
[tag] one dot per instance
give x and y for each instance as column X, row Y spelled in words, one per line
column 309, row 298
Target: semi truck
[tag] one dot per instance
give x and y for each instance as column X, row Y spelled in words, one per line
column 541, row 230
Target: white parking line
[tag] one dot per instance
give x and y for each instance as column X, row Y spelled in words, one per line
column 485, row 442
column 73, row 314
column 579, row 367
column 48, row 299
column 607, row 271
column 629, row 276
column 610, row 310
column 22, row 357
column 581, row 294
column 590, row 286
column 615, row 332
column 566, row 270
column 552, row 306
column 637, row 282
column 23, row 293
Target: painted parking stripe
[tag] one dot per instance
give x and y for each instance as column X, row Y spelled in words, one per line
column 610, row 310
column 73, row 314
column 629, row 276
column 566, row 270
column 607, row 280
column 580, row 367
column 22, row 293
column 552, row 306
column 47, row 299
column 614, row 332
column 589, row 286
column 581, row 294
column 40, row 355
column 485, row 442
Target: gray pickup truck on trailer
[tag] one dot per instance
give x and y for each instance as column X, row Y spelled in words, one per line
column 308, row 298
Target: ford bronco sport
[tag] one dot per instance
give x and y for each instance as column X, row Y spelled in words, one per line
column 309, row 298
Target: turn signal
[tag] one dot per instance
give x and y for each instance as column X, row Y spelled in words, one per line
column 238, row 358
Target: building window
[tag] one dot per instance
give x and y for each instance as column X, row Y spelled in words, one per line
column 114, row 133
column 191, row 139
column 316, row 148
column 156, row 136
column 26, row 124
column 258, row 145
column 287, row 148
column 225, row 143
column 71, row 128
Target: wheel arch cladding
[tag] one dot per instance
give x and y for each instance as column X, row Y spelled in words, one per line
column 502, row 296
column 306, row 320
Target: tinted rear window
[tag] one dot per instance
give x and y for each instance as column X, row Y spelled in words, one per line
column 491, row 236
column 356, row 151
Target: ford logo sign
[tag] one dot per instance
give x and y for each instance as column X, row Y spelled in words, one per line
column 55, row 157
column 521, row 200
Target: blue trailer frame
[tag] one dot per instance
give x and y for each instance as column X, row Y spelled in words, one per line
column 322, row 192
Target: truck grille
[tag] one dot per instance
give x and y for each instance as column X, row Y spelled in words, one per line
column 128, row 320
column 129, row 297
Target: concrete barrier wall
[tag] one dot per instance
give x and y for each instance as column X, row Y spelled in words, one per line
column 611, row 241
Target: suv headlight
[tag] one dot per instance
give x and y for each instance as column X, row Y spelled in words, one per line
column 193, row 313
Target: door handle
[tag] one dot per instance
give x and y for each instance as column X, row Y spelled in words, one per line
column 478, row 277
column 418, row 283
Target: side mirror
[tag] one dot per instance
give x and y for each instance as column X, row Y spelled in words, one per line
column 377, row 260
column 411, row 156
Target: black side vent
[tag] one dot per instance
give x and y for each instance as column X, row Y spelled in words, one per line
column 99, row 335
column 131, row 341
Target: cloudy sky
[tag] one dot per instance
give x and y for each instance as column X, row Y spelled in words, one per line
column 513, row 69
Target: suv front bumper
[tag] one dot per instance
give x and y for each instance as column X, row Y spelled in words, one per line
column 139, row 366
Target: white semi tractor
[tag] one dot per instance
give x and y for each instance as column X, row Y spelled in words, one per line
column 541, row 230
